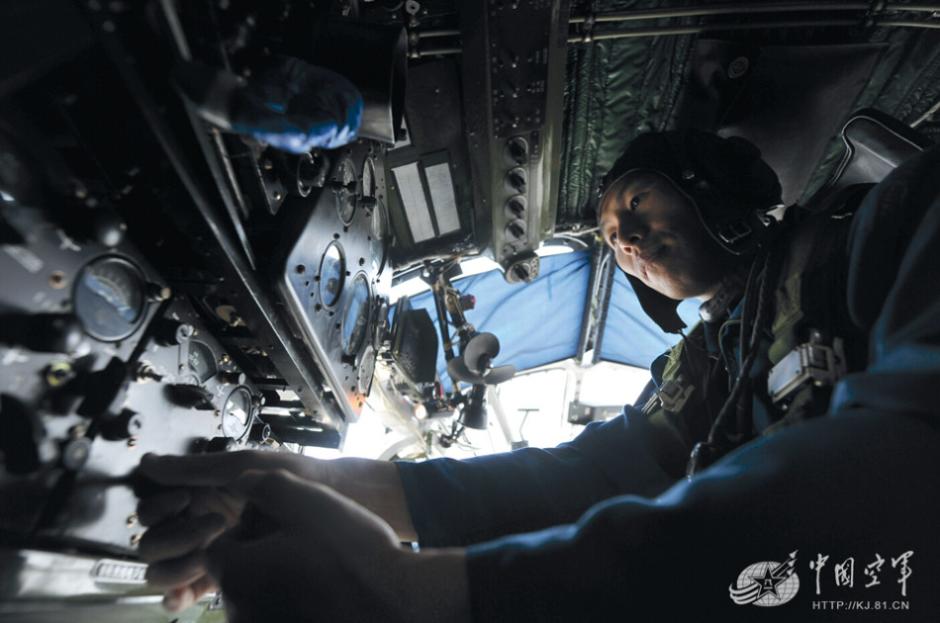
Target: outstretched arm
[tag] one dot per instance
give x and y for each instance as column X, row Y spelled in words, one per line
column 463, row 502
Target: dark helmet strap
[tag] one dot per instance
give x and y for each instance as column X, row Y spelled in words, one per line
column 659, row 307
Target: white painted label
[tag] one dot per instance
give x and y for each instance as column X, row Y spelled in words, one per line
column 24, row 257
column 416, row 206
column 441, row 187
column 119, row 572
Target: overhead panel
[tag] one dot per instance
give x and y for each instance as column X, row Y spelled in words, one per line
column 513, row 98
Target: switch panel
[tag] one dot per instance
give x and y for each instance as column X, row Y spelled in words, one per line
column 514, row 104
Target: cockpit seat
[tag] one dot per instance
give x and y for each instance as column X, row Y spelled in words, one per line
column 875, row 144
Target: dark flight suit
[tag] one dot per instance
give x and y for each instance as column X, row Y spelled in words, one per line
column 606, row 528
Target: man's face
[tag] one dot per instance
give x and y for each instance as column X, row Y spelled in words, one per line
column 657, row 237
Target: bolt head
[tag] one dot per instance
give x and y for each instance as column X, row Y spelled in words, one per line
column 738, row 67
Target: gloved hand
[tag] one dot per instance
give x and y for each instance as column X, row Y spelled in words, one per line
column 303, row 552
column 193, row 508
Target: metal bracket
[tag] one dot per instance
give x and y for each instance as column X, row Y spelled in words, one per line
column 674, row 394
column 734, row 232
column 811, row 362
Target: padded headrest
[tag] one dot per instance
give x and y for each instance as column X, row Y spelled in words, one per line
column 875, row 144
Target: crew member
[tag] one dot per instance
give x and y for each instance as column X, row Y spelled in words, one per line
column 729, row 458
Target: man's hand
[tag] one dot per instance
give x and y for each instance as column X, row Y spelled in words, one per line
column 304, row 552
column 193, row 509
column 197, row 506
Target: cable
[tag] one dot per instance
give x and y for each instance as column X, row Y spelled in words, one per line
column 767, row 275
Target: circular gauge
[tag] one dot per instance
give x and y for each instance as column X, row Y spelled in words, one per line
column 344, row 180
column 236, row 413
column 332, row 274
column 366, row 370
column 109, row 298
column 356, row 316
column 379, row 233
column 201, row 361
column 368, row 177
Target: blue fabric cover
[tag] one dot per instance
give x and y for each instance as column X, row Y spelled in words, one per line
column 540, row 323
column 296, row 107
column 630, row 337
column 536, row 323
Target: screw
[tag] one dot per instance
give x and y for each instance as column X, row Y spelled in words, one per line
column 132, row 442
column 738, row 67
column 58, row 373
column 57, row 280
column 135, row 539
column 131, row 520
column 146, row 372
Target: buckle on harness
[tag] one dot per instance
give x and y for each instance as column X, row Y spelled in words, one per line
column 734, row 232
column 674, row 394
column 811, row 362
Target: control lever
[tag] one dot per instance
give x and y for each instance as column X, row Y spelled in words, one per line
column 104, row 391
column 137, row 482
column 69, row 484
column 43, row 333
column 190, row 396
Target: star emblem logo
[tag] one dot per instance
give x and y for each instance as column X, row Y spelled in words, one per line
column 767, row 582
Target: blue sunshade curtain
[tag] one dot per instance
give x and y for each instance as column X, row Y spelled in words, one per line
column 537, row 323
column 540, row 323
column 630, row 337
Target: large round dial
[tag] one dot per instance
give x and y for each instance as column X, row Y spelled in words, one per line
column 236, row 413
column 109, row 298
column 356, row 316
column 332, row 274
